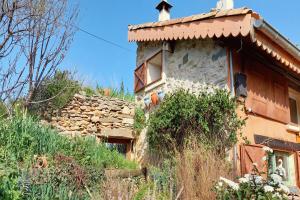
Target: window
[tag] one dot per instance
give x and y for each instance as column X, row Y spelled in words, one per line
column 284, row 163
column 154, row 68
column 294, row 97
column 148, row 73
column 293, row 111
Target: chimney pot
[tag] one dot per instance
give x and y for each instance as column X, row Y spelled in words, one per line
column 225, row 4
column 164, row 10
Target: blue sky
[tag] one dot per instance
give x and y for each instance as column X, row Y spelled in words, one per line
column 97, row 62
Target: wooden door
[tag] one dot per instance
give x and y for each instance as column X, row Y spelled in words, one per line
column 252, row 154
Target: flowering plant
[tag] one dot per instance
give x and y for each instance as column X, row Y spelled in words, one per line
column 254, row 185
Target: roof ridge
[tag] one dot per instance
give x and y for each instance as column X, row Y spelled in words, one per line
column 195, row 17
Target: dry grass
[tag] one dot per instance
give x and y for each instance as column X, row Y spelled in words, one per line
column 197, row 172
column 192, row 178
column 116, row 189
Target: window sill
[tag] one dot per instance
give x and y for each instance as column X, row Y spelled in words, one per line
column 293, row 128
column 154, row 85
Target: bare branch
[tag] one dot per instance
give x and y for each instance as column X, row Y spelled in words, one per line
column 35, row 36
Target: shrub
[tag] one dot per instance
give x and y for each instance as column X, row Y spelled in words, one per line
column 9, row 189
column 210, row 118
column 55, row 92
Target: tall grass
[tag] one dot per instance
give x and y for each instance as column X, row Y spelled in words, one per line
column 191, row 175
column 119, row 93
column 74, row 166
column 198, row 170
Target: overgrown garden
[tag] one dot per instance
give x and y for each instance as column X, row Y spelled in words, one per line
column 38, row 163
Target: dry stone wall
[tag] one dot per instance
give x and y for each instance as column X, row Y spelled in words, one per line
column 100, row 116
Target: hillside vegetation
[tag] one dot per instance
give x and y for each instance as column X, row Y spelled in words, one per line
column 37, row 163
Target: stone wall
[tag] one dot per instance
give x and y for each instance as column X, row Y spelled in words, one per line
column 97, row 115
column 194, row 65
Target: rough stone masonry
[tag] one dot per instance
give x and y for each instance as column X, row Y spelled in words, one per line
column 99, row 116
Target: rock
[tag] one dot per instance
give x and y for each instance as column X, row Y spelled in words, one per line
column 97, row 113
column 126, row 111
column 75, row 128
column 114, row 108
column 78, row 96
column 93, row 129
column 83, row 107
column 128, row 121
column 109, row 120
column 95, row 119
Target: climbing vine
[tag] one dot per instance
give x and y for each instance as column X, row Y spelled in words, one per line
column 139, row 120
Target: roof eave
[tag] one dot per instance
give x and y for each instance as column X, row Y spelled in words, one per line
column 277, row 37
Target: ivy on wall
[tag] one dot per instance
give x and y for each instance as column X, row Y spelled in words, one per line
column 139, row 120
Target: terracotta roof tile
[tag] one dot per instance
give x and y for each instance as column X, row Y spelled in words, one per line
column 213, row 24
column 212, row 14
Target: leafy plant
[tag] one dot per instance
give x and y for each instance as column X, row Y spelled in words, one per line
column 209, row 118
column 139, row 120
column 9, row 189
column 89, row 91
column 55, row 92
column 57, row 167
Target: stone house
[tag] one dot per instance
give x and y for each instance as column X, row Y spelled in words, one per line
column 234, row 49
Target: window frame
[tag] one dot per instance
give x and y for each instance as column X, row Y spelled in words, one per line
column 161, row 68
column 291, row 170
column 145, row 64
column 295, row 95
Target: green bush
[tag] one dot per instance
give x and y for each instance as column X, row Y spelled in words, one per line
column 139, row 120
column 209, row 118
column 55, row 92
column 74, row 165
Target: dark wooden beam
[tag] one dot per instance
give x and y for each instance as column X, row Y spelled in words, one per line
column 276, row 144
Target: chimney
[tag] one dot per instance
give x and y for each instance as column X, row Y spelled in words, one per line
column 225, row 4
column 164, row 10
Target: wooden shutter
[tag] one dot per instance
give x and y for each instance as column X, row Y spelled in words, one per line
column 258, row 88
column 140, row 78
column 252, row 154
column 267, row 92
column 298, row 167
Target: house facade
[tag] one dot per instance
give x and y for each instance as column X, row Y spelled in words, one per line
column 234, row 49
